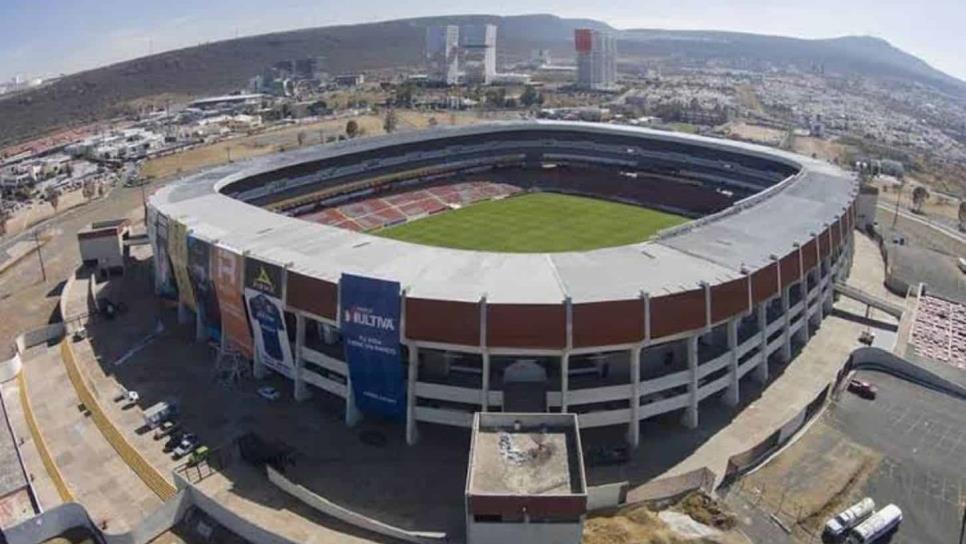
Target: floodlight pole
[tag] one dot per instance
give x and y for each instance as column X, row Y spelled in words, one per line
column 40, row 255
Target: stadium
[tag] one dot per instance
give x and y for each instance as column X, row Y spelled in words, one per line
column 613, row 272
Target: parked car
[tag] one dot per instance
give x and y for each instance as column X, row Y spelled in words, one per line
column 166, row 428
column 173, row 440
column 863, row 389
column 269, row 393
column 198, row 456
column 132, row 397
column 189, row 443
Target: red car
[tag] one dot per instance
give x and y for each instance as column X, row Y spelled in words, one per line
column 863, row 389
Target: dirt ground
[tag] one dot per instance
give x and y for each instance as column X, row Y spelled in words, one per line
column 936, row 205
column 274, row 140
column 817, row 476
column 641, row 525
column 756, row 133
column 822, row 149
column 748, row 98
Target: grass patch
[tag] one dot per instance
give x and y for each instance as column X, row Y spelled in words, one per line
column 536, row 222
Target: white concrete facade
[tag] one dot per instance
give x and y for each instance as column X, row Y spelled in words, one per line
column 453, row 403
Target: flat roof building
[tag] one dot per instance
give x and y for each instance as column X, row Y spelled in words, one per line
column 525, row 481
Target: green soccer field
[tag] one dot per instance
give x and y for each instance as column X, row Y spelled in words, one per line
column 536, row 222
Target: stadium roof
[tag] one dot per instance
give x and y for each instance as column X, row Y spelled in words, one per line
column 713, row 249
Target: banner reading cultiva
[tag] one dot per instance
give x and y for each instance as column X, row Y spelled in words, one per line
column 369, row 312
column 264, row 291
column 228, row 275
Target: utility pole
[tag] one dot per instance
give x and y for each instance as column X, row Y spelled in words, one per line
column 40, row 255
column 895, row 217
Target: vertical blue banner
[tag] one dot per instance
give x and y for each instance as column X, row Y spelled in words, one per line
column 370, row 311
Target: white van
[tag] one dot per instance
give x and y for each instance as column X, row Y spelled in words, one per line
column 849, row 518
column 876, row 526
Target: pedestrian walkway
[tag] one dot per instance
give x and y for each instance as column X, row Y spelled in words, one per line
column 95, row 475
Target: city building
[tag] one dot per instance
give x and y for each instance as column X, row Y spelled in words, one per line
column 101, row 245
column 442, row 53
column 350, row 80
column 596, row 60
column 525, row 481
column 479, row 53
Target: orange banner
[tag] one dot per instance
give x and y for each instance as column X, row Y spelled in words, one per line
column 228, row 274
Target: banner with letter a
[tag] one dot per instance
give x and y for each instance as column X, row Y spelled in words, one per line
column 370, row 311
column 264, row 291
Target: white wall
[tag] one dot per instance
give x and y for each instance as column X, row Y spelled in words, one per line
column 530, row 533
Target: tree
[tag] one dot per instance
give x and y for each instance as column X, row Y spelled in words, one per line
column 531, row 97
column 919, row 196
column 52, row 196
column 4, row 219
column 962, row 215
column 88, row 189
column 390, row 122
column 352, row 128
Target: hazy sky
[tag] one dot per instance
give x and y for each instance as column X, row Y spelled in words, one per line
column 46, row 37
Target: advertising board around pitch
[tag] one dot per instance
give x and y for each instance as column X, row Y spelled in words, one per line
column 370, row 311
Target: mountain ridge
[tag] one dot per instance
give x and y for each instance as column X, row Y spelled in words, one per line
column 226, row 65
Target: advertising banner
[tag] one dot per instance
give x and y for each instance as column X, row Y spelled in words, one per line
column 199, row 272
column 264, row 291
column 161, row 258
column 370, row 311
column 178, row 251
column 228, row 275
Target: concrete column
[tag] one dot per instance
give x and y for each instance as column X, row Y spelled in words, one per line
column 330, row 335
column 828, row 300
column 259, row 370
column 301, row 390
column 184, row 314
column 352, row 413
column 412, row 433
column 634, row 427
column 201, row 329
column 787, row 329
column 803, row 332
column 485, row 394
column 564, row 380
column 761, row 371
column 690, row 419
column 731, row 394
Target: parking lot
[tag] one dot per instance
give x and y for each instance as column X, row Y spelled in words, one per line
column 908, row 447
column 921, row 436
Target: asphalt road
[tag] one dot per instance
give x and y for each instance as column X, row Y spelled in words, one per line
column 921, row 435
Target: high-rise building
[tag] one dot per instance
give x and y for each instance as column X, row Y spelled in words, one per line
column 479, row 53
column 442, row 53
column 596, row 59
